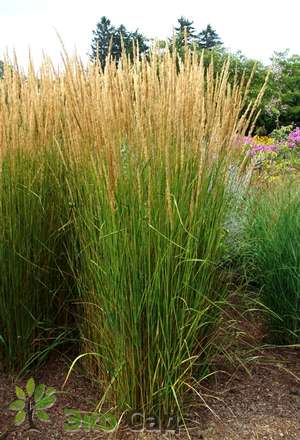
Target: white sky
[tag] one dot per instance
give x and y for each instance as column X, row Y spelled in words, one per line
column 256, row 27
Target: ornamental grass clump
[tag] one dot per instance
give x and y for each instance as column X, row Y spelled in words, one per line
column 273, row 258
column 151, row 197
column 136, row 196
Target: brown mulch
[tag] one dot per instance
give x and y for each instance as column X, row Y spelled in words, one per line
column 259, row 401
column 263, row 404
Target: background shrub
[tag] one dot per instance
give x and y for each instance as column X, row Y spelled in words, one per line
column 273, row 257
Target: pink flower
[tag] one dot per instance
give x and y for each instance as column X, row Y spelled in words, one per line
column 294, row 138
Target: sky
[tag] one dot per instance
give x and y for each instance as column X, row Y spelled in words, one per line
column 256, row 27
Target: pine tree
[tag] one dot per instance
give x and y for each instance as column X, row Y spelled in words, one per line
column 184, row 33
column 109, row 39
column 140, row 40
column 123, row 39
column 102, row 39
column 1, row 69
column 208, row 38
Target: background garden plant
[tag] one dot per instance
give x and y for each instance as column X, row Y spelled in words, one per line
column 274, row 157
column 271, row 251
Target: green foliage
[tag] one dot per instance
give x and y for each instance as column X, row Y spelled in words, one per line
column 17, row 405
column 151, row 287
column 20, row 393
column 30, row 387
column 45, row 403
column 1, row 69
column 279, row 105
column 20, row 418
column 42, row 416
column 286, row 87
column 184, row 34
column 281, row 101
column 281, row 134
column 39, row 392
column 243, row 67
column 185, row 26
column 208, row 38
column 34, row 281
column 32, row 403
column 109, row 40
column 274, row 165
column 272, row 257
column 101, row 42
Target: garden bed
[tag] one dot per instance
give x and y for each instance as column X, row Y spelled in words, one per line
column 261, row 404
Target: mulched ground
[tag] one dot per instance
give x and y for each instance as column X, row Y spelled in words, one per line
column 258, row 401
column 262, row 405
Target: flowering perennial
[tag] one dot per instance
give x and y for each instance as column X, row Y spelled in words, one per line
column 262, row 144
column 294, row 138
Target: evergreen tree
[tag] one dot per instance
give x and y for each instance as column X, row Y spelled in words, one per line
column 208, row 38
column 139, row 39
column 102, row 39
column 123, row 39
column 109, row 39
column 1, row 69
column 184, row 33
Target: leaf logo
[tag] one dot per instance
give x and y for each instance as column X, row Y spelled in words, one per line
column 33, row 403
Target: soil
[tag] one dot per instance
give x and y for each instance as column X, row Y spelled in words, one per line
column 260, row 400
